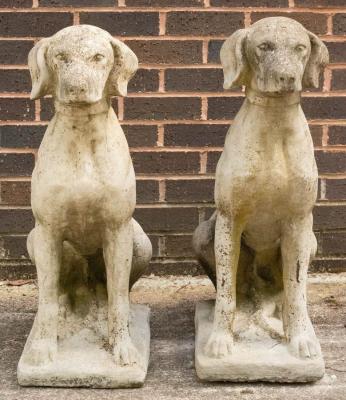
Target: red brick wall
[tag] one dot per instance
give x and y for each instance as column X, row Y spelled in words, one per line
column 175, row 116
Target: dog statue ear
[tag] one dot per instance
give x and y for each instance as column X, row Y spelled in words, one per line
column 39, row 70
column 125, row 66
column 233, row 59
column 318, row 59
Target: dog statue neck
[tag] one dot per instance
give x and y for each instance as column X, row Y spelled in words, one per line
column 264, row 100
column 81, row 110
column 81, row 119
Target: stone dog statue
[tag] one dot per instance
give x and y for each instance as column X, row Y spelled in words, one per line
column 83, row 188
column 266, row 184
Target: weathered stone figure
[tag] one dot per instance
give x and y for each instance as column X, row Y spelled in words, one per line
column 87, row 248
column 257, row 246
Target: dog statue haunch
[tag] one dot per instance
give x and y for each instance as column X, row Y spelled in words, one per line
column 87, row 248
column 259, row 242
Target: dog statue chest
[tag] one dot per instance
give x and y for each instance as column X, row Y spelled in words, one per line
column 81, row 165
column 273, row 160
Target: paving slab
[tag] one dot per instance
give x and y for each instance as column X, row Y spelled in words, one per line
column 171, row 373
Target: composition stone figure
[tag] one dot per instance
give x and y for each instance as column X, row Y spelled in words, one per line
column 87, row 248
column 258, row 244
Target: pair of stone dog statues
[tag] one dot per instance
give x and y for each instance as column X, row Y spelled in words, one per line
column 256, row 247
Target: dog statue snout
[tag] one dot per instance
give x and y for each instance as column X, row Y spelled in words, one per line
column 76, row 89
column 287, row 79
column 286, row 82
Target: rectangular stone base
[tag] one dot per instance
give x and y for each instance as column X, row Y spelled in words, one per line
column 259, row 358
column 84, row 361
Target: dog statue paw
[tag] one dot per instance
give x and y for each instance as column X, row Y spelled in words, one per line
column 304, row 346
column 125, row 353
column 42, row 352
column 219, row 344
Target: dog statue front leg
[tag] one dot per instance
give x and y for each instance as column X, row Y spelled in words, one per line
column 46, row 247
column 117, row 250
column 298, row 245
column 227, row 249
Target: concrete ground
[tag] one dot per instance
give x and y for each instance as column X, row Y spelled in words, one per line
column 171, row 372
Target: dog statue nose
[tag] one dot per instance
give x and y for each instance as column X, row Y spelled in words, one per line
column 75, row 89
column 287, row 79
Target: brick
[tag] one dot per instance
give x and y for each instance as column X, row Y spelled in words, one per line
column 155, row 244
column 328, row 265
column 170, row 219
column 16, row 164
column 319, row 3
column 15, row 80
column 314, row 22
column 162, row 108
column 77, row 3
column 16, row 221
column 20, row 270
column 33, row 24
column 214, row 47
column 47, row 109
column 224, row 107
column 195, row 135
column 337, row 135
column 339, row 79
column 332, row 243
column 324, row 107
column 339, row 24
column 124, row 23
column 249, row 3
column 178, row 246
column 212, row 160
column 17, row 136
column 336, row 189
column 140, row 135
column 330, row 161
column 337, row 51
column 15, row 51
column 17, row 109
column 13, row 247
column 190, row 191
column 329, row 217
column 194, row 80
column 203, row 23
column 145, row 80
column 175, row 268
column 167, row 51
column 15, row 193
column 316, row 134
column 164, row 3
column 147, row 191
column 166, row 162
column 15, row 3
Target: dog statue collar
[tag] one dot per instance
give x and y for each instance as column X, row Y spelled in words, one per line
column 77, row 109
column 259, row 99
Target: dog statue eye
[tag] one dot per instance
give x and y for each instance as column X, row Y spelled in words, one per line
column 300, row 48
column 266, row 46
column 61, row 57
column 98, row 57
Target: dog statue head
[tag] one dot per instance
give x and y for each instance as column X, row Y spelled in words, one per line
column 275, row 55
column 81, row 64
